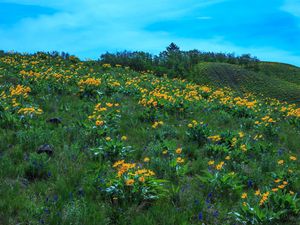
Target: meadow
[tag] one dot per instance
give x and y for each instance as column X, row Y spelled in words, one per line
column 89, row 143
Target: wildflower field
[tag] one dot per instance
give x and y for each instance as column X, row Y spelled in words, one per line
column 89, row 143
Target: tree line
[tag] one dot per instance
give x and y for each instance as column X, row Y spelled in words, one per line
column 173, row 61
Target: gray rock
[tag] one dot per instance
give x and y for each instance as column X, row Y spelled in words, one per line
column 48, row 149
column 54, row 120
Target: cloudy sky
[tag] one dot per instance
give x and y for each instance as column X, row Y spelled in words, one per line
column 268, row 29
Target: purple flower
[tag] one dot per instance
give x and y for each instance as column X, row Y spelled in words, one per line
column 55, row 198
column 216, row 213
column 47, row 211
column 250, row 183
column 280, row 151
column 200, row 216
column 80, row 192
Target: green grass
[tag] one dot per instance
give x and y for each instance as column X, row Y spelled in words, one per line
column 273, row 80
column 74, row 185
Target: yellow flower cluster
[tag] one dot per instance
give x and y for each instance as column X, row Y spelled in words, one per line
column 157, row 123
column 115, row 84
column 233, row 141
column 97, row 115
column 30, row 111
column 218, row 94
column 106, row 65
column 31, row 74
column 266, row 121
column 179, row 160
column 89, row 82
column 194, row 123
column 215, row 138
column 205, row 89
column 280, row 186
column 144, row 172
column 131, row 172
column 20, row 90
column 294, row 112
column 264, row 197
column 123, row 167
column 244, row 102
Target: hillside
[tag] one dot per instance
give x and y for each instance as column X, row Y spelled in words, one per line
column 91, row 143
column 242, row 73
column 273, row 80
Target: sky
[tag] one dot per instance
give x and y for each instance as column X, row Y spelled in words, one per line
column 268, row 29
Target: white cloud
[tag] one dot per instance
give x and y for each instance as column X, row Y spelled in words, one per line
column 80, row 25
column 90, row 27
column 292, row 7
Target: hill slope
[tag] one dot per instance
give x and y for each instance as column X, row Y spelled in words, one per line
column 273, row 79
column 83, row 143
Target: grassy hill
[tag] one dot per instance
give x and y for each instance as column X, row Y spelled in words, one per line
column 273, row 80
column 85, row 143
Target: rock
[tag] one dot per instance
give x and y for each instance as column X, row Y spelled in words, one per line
column 54, row 120
column 45, row 149
column 24, row 182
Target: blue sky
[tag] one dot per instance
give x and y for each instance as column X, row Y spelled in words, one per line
column 268, row 29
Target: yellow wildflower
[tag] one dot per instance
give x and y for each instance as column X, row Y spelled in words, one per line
column 243, row 148
column 264, row 198
column 215, row 138
column 244, row 195
column 280, row 162
column 178, row 150
column 129, row 182
column 142, row 179
column 146, row 159
column 99, row 122
column 211, row 162
column 241, row 134
column 116, row 164
column 219, row 166
column 180, row 160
